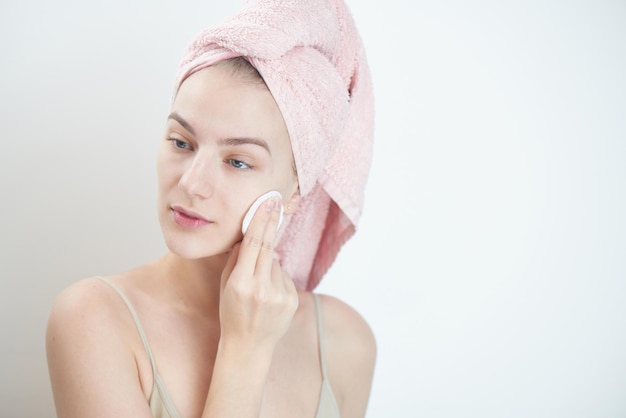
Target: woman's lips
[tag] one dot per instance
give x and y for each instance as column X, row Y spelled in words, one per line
column 187, row 218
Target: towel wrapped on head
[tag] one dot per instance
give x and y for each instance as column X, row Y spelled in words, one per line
column 310, row 56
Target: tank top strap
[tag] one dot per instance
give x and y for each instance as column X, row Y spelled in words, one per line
column 320, row 335
column 142, row 334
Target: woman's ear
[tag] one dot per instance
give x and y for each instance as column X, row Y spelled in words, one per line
column 291, row 204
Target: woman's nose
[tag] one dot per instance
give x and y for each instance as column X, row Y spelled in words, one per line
column 198, row 179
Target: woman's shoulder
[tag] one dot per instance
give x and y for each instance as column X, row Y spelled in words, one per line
column 350, row 349
column 89, row 335
column 94, row 298
column 91, row 308
column 345, row 325
column 87, row 299
column 88, row 312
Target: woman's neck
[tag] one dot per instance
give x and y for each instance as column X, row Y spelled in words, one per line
column 193, row 283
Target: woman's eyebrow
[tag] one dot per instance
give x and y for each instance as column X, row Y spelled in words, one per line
column 222, row 142
column 175, row 116
column 243, row 141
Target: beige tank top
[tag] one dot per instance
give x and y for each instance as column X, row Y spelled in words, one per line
column 161, row 404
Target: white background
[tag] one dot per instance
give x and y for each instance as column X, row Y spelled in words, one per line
column 491, row 257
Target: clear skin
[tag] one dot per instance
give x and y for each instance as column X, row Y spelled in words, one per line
column 226, row 325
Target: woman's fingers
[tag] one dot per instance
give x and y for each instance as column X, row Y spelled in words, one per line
column 257, row 247
column 258, row 300
column 290, row 286
column 265, row 259
column 277, row 276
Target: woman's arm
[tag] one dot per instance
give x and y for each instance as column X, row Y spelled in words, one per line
column 92, row 367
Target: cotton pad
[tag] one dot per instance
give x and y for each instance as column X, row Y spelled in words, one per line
column 248, row 218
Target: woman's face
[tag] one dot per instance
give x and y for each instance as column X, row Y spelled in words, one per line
column 225, row 144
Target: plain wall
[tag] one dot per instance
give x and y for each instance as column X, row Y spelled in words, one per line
column 490, row 260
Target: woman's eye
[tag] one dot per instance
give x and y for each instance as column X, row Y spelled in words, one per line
column 179, row 144
column 238, row 164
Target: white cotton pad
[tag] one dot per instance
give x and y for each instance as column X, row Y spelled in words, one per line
column 248, row 218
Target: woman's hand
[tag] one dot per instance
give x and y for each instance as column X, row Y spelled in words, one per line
column 257, row 304
column 258, row 300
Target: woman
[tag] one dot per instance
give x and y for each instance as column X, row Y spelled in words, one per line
column 225, row 324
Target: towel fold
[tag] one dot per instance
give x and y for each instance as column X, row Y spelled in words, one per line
column 312, row 59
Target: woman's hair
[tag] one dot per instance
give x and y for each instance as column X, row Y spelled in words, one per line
column 240, row 67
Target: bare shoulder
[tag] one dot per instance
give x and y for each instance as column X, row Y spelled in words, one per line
column 86, row 308
column 344, row 324
column 86, row 320
column 350, row 353
column 82, row 304
column 89, row 352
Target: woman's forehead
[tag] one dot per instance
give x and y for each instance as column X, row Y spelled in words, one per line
column 216, row 96
column 215, row 104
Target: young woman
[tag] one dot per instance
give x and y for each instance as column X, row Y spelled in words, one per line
column 217, row 327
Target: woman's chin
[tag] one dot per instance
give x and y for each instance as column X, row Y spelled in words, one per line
column 194, row 248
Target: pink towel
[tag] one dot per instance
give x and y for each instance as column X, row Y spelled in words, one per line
column 312, row 59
